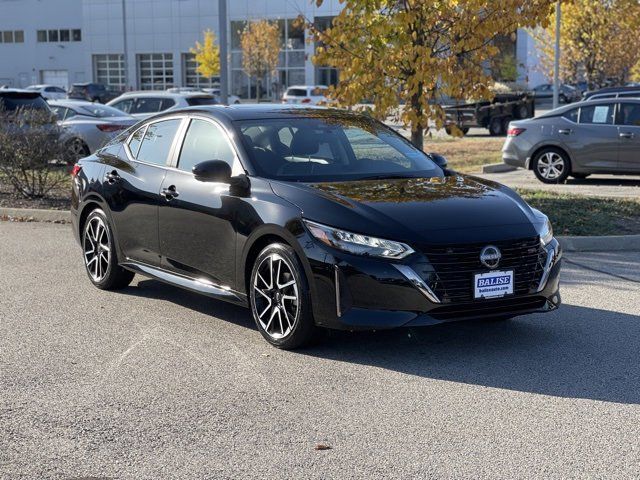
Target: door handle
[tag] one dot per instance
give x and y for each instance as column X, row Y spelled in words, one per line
column 169, row 193
column 565, row 131
column 112, row 177
column 626, row 135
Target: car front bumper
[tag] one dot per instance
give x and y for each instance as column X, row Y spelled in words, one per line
column 355, row 293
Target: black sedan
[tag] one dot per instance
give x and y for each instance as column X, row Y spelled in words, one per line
column 312, row 218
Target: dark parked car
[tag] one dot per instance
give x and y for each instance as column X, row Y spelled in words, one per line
column 312, row 218
column 12, row 99
column 596, row 136
column 93, row 92
column 567, row 93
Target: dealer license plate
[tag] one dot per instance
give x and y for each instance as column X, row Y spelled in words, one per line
column 493, row 284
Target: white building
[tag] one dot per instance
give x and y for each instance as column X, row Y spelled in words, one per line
column 144, row 44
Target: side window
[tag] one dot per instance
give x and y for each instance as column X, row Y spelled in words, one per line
column 60, row 112
column 571, row 115
column 597, row 114
column 135, row 141
column 204, row 141
column 157, row 141
column 166, row 103
column 70, row 113
column 147, row 105
column 629, row 114
column 124, row 105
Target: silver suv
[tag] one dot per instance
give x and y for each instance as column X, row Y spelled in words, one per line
column 597, row 136
column 146, row 103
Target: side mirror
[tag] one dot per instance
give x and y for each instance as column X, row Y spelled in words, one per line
column 440, row 160
column 213, row 171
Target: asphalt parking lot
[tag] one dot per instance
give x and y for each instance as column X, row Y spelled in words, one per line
column 155, row 382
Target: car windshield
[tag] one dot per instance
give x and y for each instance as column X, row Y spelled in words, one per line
column 102, row 111
column 327, row 147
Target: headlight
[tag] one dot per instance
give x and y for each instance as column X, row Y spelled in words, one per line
column 546, row 231
column 357, row 243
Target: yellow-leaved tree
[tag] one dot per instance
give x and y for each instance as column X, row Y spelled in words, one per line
column 260, row 43
column 599, row 41
column 411, row 53
column 207, row 55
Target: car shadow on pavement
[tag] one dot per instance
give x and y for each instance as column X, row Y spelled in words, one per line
column 228, row 312
column 575, row 352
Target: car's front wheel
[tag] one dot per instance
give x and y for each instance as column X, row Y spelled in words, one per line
column 280, row 298
column 551, row 165
column 100, row 257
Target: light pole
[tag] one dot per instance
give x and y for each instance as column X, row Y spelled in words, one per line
column 125, row 47
column 556, row 60
column 224, row 67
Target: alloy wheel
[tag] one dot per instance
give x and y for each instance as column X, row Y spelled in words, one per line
column 97, row 248
column 551, row 165
column 276, row 298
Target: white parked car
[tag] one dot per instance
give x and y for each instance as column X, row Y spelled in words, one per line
column 233, row 99
column 307, row 94
column 49, row 92
column 146, row 103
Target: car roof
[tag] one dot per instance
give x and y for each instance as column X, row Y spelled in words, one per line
column 262, row 111
column 307, row 86
column 587, row 103
column 70, row 102
column 163, row 93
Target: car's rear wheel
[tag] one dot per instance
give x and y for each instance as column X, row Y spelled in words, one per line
column 100, row 257
column 280, row 298
column 76, row 149
column 496, row 127
column 551, row 165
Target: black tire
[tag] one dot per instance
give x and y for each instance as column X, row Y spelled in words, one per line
column 495, row 127
column 580, row 176
column 101, row 263
column 522, row 112
column 505, row 124
column 562, row 98
column 268, row 301
column 543, row 160
column 76, row 149
column 465, row 130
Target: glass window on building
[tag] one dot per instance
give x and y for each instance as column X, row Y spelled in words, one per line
column 191, row 77
column 108, row 69
column 65, row 35
column 42, row 35
column 76, row 35
column 155, row 71
column 18, row 36
column 7, row 36
column 325, row 75
column 53, row 35
column 290, row 65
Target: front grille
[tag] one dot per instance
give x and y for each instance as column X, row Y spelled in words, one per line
column 456, row 265
column 488, row 308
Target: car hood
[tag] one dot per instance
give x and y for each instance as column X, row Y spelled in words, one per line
column 453, row 209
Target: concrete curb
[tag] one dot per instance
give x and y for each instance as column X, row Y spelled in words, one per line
column 35, row 215
column 497, row 168
column 611, row 243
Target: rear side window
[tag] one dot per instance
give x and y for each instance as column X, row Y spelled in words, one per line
column 147, row 105
column 629, row 95
column 157, row 141
column 571, row 115
column 318, row 92
column 135, row 141
column 297, row 92
column 124, row 105
column 204, row 141
column 166, row 104
column 629, row 114
column 195, row 101
column 597, row 114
